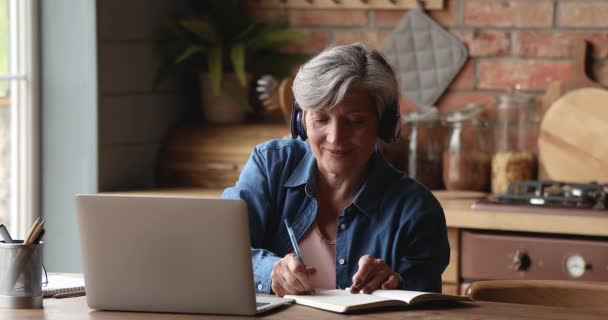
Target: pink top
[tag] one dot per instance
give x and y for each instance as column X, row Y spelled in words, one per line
column 320, row 253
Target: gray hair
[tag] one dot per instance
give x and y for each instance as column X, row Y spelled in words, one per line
column 323, row 81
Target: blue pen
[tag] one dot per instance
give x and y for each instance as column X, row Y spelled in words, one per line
column 294, row 242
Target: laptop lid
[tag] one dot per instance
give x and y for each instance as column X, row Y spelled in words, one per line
column 183, row 255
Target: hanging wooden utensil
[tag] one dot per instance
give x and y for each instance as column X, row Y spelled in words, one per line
column 571, row 142
column 579, row 78
column 556, row 89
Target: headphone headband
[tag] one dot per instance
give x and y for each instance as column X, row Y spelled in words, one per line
column 389, row 127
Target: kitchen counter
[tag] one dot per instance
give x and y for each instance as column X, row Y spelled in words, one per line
column 460, row 215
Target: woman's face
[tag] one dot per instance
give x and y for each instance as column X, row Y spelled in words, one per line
column 343, row 139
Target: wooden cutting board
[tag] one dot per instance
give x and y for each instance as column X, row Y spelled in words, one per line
column 577, row 80
column 572, row 142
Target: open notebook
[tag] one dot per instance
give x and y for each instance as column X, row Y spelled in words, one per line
column 62, row 284
column 344, row 301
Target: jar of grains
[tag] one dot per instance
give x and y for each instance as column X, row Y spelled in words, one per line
column 466, row 158
column 513, row 158
column 423, row 136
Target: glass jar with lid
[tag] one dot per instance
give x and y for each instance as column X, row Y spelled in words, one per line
column 423, row 138
column 514, row 157
column 466, row 157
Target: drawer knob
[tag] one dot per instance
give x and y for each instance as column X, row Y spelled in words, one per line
column 521, row 261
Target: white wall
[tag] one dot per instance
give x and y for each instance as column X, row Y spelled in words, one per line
column 69, row 123
column 103, row 122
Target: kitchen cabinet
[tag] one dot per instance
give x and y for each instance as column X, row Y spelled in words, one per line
column 527, row 245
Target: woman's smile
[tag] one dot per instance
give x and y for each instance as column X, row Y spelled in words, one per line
column 339, row 152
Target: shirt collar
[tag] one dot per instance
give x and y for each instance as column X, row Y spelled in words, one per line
column 370, row 194
column 306, row 168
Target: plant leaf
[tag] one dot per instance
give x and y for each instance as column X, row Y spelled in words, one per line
column 251, row 29
column 237, row 55
column 203, row 28
column 193, row 49
column 215, row 61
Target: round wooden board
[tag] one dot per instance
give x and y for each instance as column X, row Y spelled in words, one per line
column 573, row 139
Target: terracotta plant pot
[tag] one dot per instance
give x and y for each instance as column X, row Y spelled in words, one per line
column 222, row 108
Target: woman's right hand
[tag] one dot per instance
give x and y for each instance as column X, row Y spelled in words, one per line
column 290, row 276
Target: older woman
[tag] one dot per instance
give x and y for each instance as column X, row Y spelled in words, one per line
column 359, row 223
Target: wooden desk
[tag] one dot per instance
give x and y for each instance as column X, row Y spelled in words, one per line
column 76, row 308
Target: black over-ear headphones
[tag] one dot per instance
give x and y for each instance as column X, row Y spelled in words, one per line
column 389, row 127
column 297, row 122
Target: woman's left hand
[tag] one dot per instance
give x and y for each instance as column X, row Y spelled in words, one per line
column 374, row 274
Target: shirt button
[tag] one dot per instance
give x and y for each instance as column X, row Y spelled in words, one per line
column 349, row 209
column 260, row 287
column 341, row 261
column 343, row 226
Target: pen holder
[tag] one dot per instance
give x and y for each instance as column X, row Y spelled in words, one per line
column 20, row 275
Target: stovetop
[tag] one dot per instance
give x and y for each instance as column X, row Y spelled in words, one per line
column 556, row 194
column 546, row 196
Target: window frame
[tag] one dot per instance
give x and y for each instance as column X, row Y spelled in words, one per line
column 24, row 77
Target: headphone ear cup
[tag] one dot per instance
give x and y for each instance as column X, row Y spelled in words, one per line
column 297, row 125
column 389, row 126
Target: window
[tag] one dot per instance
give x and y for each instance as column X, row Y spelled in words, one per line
column 19, row 187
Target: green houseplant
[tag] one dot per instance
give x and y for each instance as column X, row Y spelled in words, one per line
column 221, row 44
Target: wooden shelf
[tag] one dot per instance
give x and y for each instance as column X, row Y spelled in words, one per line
column 211, row 157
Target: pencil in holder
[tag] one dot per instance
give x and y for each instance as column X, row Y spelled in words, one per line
column 21, row 275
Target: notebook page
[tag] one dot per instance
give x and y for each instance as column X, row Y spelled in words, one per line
column 416, row 296
column 340, row 300
column 343, row 297
column 62, row 284
column 402, row 295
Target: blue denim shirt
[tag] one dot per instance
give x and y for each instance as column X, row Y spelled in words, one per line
column 392, row 217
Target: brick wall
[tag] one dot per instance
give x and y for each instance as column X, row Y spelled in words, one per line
column 510, row 42
column 134, row 114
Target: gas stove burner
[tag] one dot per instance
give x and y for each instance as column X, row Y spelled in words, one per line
column 556, row 194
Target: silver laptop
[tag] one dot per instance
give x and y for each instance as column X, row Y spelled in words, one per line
column 161, row 254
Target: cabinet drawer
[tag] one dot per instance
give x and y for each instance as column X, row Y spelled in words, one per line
column 513, row 256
